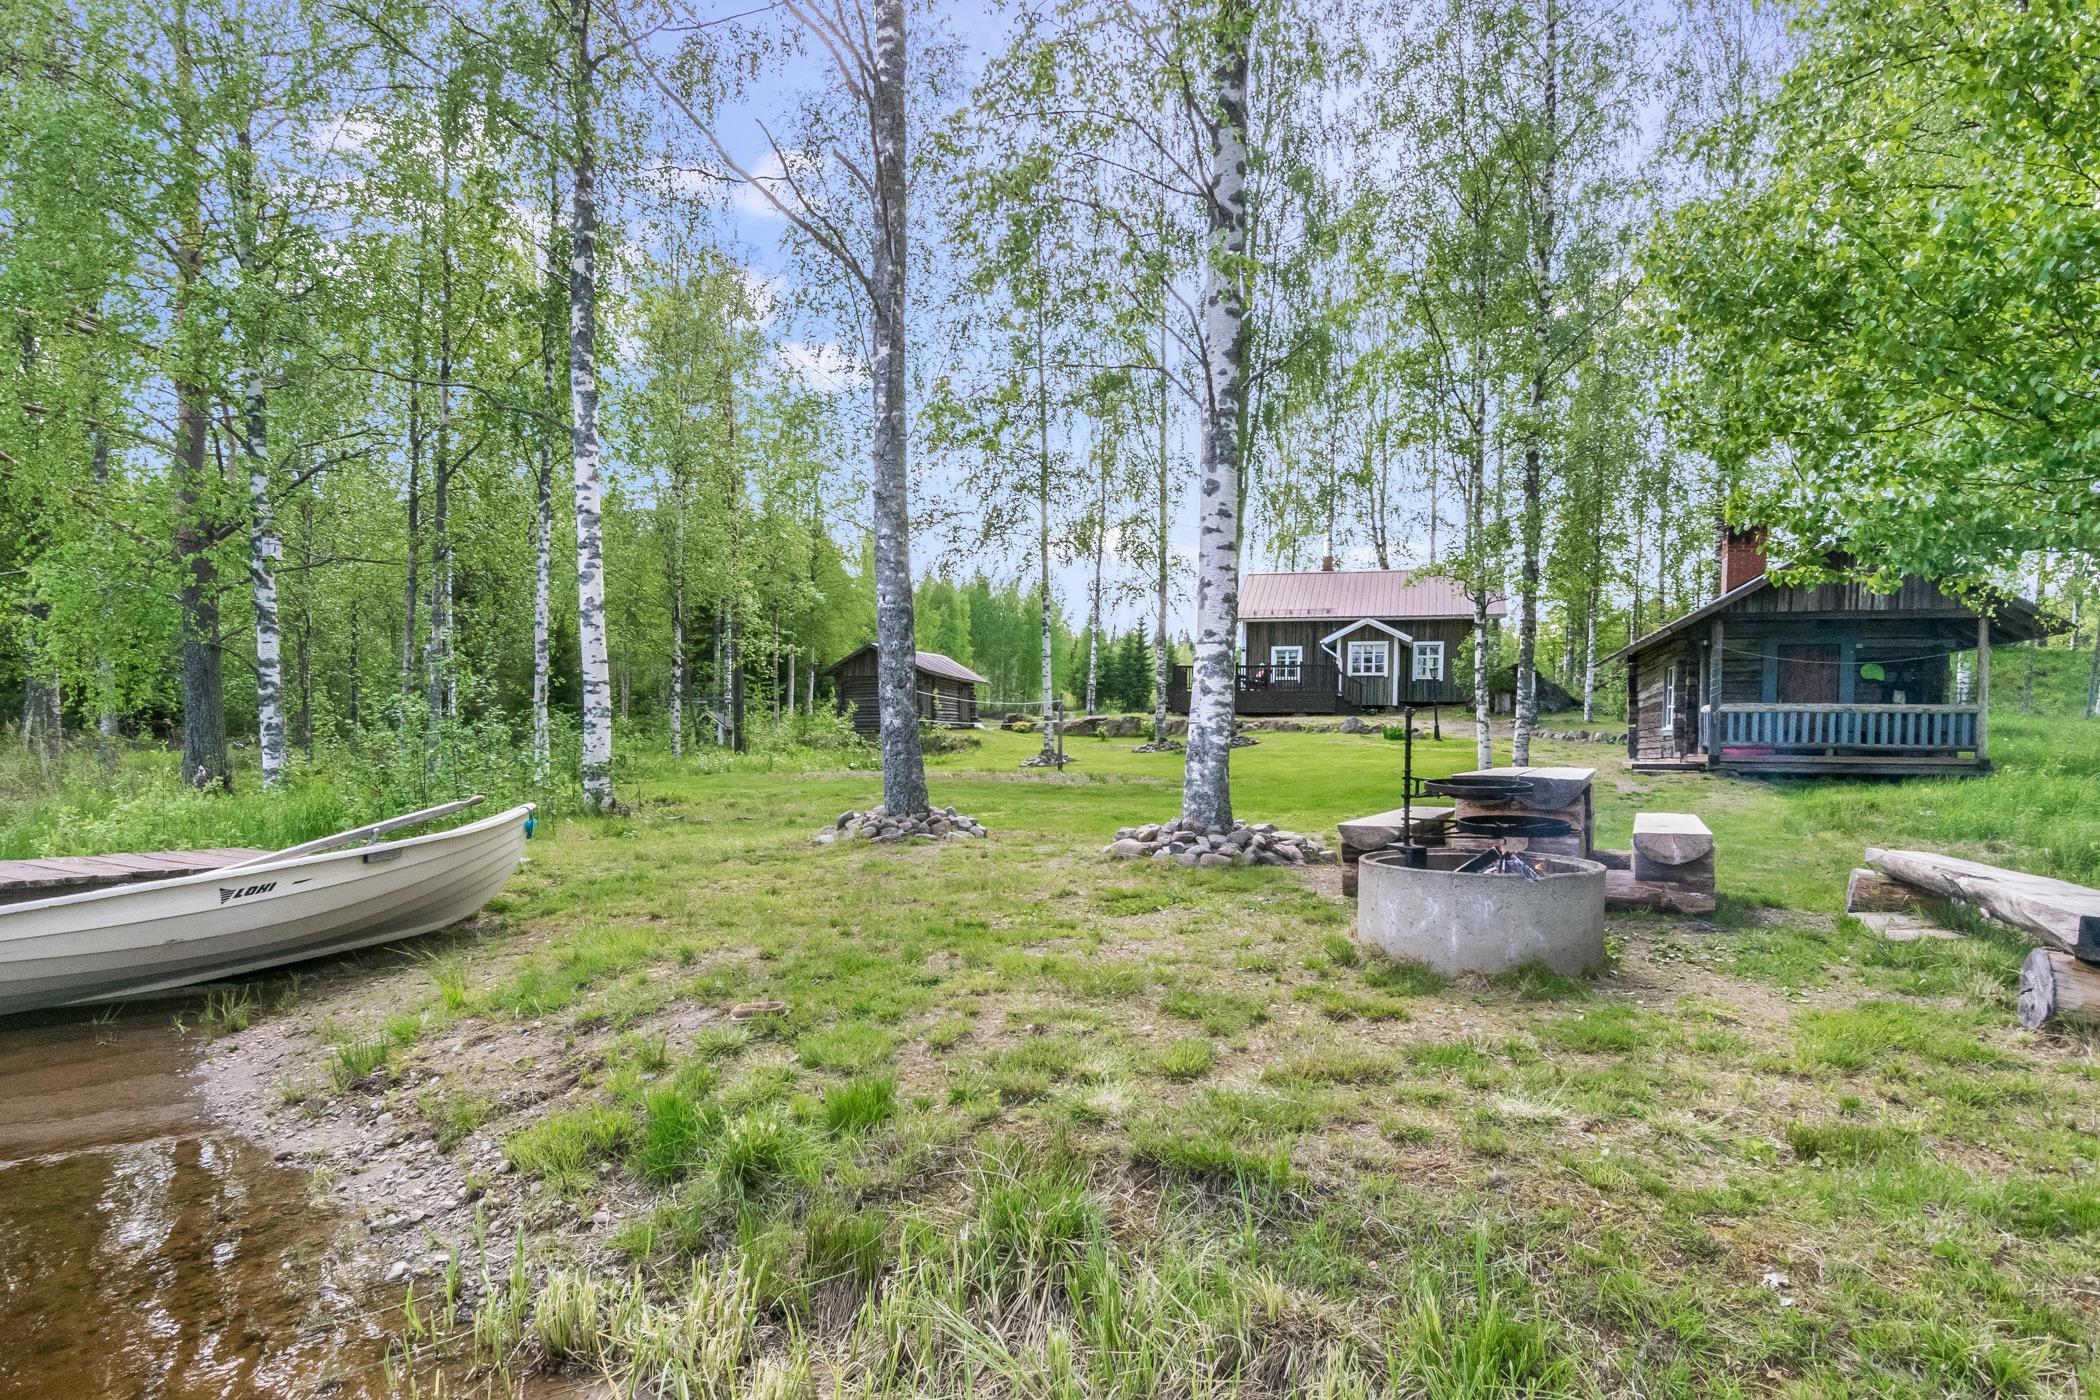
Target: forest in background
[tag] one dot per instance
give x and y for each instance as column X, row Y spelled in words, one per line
column 408, row 369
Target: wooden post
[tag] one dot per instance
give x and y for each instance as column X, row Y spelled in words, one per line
column 1713, row 699
column 1983, row 687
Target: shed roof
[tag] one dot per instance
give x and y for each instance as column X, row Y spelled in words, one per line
column 2012, row 619
column 931, row 662
column 1358, row 593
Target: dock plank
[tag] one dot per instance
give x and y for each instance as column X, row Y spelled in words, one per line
column 49, row 874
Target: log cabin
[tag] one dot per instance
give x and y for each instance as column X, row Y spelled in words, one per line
column 1337, row 642
column 947, row 690
column 1824, row 678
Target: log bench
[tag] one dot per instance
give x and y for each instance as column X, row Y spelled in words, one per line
column 1670, row 868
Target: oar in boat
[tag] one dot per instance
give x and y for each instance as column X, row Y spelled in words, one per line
column 370, row 832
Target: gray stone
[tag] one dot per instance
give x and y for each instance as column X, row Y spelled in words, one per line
column 1127, row 849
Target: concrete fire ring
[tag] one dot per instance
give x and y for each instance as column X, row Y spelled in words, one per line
column 1483, row 923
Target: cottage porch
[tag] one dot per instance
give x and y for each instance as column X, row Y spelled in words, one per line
column 1311, row 688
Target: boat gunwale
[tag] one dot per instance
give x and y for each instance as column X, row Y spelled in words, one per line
column 259, row 867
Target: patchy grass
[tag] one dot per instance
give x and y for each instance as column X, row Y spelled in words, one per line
column 1038, row 1122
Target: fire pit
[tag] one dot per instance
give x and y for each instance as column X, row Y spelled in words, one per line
column 1514, row 908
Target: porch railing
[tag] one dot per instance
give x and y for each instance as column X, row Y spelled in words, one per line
column 1884, row 728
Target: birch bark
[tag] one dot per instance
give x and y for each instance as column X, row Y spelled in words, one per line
column 1162, row 655
column 583, row 411
column 264, row 549
column 903, row 765
column 1093, row 618
column 1042, row 531
column 1206, row 787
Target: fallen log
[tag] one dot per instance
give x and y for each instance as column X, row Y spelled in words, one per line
column 2053, row 911
column 1871, row 892
column 2057, row 987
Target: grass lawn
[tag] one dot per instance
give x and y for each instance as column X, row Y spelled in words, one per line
column 1039, row 1123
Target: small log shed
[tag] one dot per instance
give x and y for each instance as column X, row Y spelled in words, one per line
column 947, row 690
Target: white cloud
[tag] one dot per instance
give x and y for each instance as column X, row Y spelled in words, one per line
column 823, row 365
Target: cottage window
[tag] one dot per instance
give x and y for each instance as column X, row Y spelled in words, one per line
column 1367, row 658
column 1669, row 714
column 1429, row 661
column 1284, row 662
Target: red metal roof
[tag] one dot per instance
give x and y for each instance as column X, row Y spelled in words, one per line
column 1348, row 594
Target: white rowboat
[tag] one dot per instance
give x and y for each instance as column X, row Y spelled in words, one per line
column 135, row 939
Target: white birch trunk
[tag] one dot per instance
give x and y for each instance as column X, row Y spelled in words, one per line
column 1042, row 536
column 264, row 549
column 677, row 697
column 1163, row 656
column 903, row 765
column 1589, row 663
column 1206, row 788
column 1093, row 617
column 543, row 511
column 583, row 409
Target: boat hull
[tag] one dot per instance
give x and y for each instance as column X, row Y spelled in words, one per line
column 136, row 940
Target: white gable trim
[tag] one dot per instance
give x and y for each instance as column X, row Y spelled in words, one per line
column 1331, row 638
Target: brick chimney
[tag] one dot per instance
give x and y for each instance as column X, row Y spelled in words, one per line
column 1327, row 563
column 1742, row 556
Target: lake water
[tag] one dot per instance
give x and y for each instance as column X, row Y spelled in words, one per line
column 146, row 1252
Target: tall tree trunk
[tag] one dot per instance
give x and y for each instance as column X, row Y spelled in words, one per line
column 203, row 679
column 1532, row 518
column 721, row 681
column 543, row 509
column 1163, row 654
column 791, row 681
column 677, row 697
column 1093, row 618
column 1476, row 541
column 1206, row 786
column 411, row 596
column 1588, row 634
column 903, row 766
column 1042, row 532
column 306, row 629
column 437, row 647
column 264, row 549
column 736, row 679
column 583, row 411
column 106, row 726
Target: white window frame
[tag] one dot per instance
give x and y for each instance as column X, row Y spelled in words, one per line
column 1285, row 661
column 1669, row 714
column 1383, row 650
column 1429, row 661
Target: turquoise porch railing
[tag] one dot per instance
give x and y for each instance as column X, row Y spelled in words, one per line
column 1884, row 728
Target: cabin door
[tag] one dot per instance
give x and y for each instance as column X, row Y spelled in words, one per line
column 1808, row 675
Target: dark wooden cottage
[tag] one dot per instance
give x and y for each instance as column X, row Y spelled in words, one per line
column 947, row 690
column 1818, row 678
column 1347, row 642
